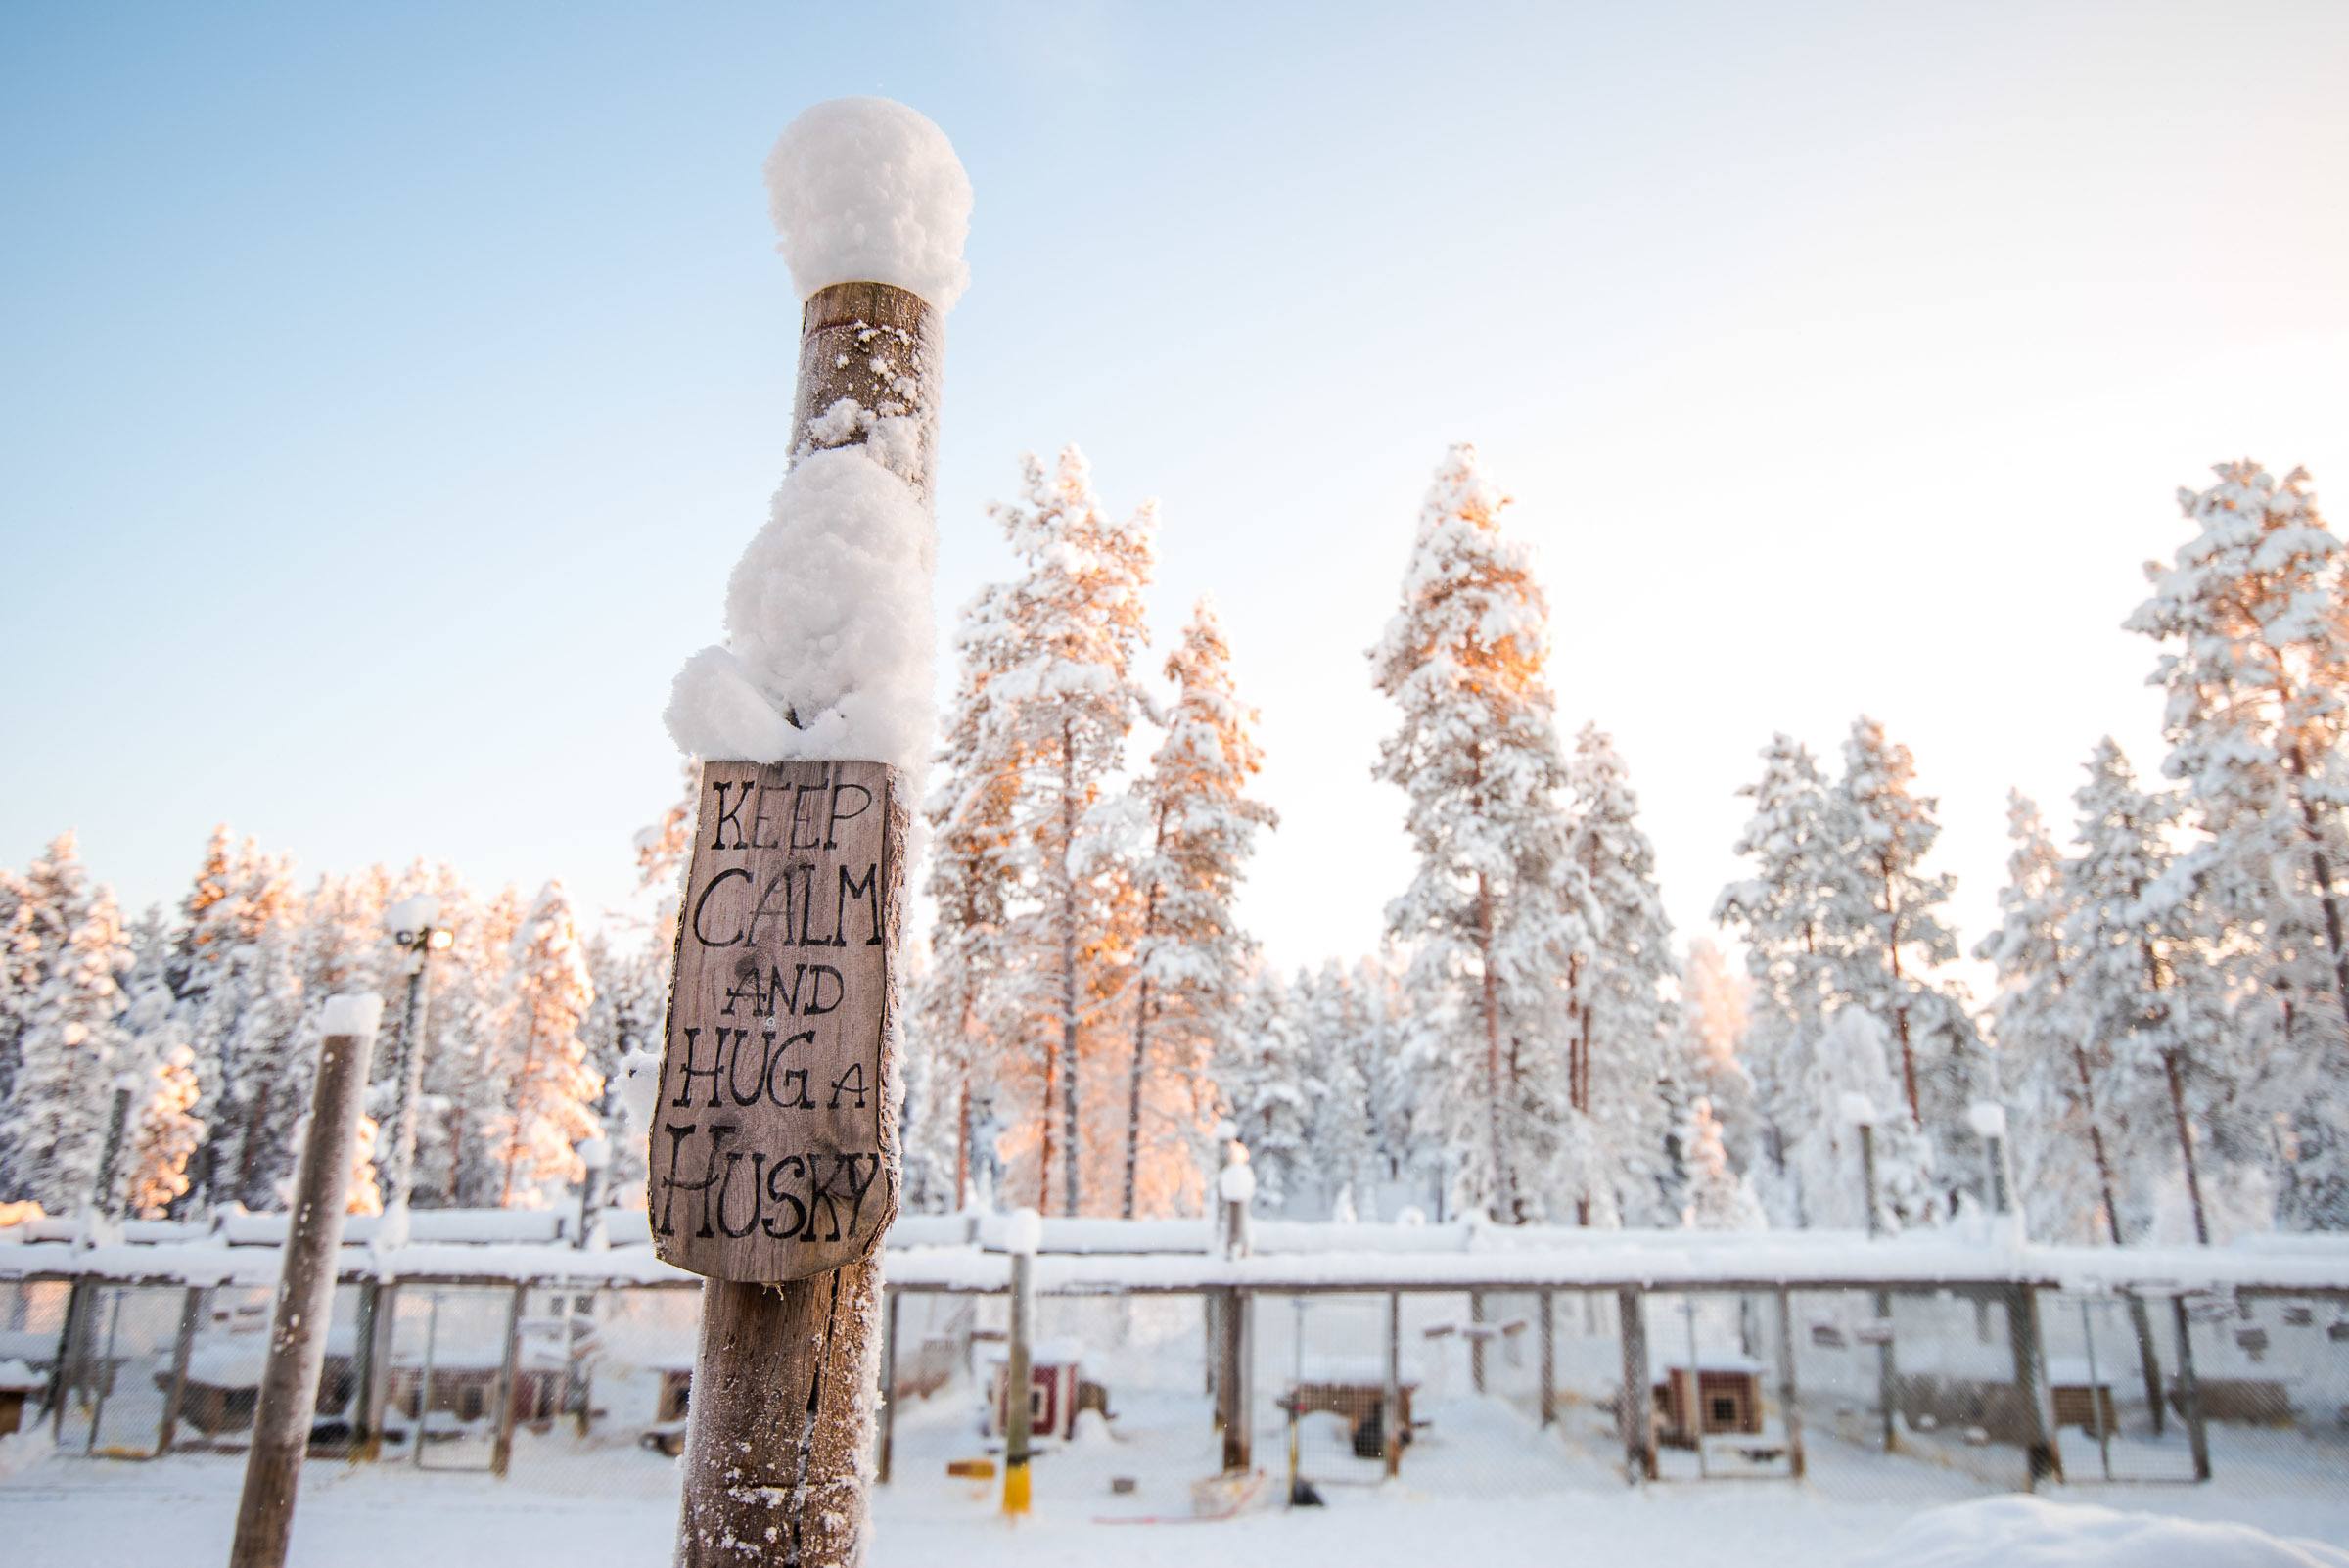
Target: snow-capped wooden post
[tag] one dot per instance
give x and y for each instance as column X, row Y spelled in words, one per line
column 305, row 1290
column 1235, row 1189
column 773, row 1161
column 1022, row 1237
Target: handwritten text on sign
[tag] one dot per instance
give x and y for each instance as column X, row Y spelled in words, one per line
column 766, row 1159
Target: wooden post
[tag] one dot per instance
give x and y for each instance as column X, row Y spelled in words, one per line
column 375, row 1387
column 1549, row 1361
column 2148, row 1359
column 2041, row 1461
column 1232, row 1412
column 305, row 1292
column 781, row 1428
column 1476, row 1342
column 1789, row 1410
column 501, row 1447
column 2189, row 1392
column 1391, row 1423
column 65, row 1373
column 1638, row 1413
column 1019, row 1374
column 183, row 1346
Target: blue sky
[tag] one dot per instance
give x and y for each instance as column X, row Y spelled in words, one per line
column 386, row 392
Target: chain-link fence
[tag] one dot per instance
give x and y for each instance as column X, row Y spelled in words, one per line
column 1864, row 1393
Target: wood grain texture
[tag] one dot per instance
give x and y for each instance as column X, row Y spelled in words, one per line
column 774, row 1144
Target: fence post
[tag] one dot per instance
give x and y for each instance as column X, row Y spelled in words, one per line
column 1789, row 1412
column 1639, row 1426
column 306, row 1293
column 1019, row 1374
column 1549, row 1361
column 65, row 1374
column 183, row 1346
column 2040, row 1459
column 2189, row 1393
column 502, row 1449
column 383, row 1320
column 1475, row 1341
column 1391, row 1423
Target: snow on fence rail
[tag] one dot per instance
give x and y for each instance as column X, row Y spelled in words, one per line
column 964, row 1253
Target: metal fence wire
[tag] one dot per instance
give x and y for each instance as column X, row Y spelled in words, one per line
column 1500, row 1392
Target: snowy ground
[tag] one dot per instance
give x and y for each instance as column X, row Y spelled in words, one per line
column 1482, row 1474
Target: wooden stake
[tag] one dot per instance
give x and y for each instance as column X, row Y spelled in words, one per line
column 306, row 1299
column 778, row 1448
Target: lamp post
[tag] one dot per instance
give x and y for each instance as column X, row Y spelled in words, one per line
column 416, row 931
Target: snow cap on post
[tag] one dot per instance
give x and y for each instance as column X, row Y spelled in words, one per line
column 351, row 1014
column 1023, row 1233
column 865, row 190
column 1856, row 1111
column 1987, row 1118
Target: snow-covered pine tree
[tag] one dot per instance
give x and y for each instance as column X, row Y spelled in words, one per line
column 1717, row 1197
column 1712, row 1018
column 1191, row 952
column 2253, row 618
column 1780, row 911
column 1337, row 1043
column 1265, row 1083
column 1885, row 932
column 1622, row 1009
column 975, row 783
column 163, row 1134
column 42, row 908
column 54, row 1122
column 2143, row 1001
column 551, row 1090
column 240, row 993
column 1066, row 702
column 2049, row 1067
column 1496, row 906
column 1851, row 1062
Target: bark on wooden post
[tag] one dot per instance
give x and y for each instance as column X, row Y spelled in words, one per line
column 509, row 1373
column 305, row 1291
column 2189, row 1392
column 1550, row 1359
column 374, row 1383
column 1639, row 1405
column 1391, row 1409
column 774, row 1163
column 2041, row 1461
column 1790, row 1409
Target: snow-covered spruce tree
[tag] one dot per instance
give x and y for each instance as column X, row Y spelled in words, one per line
column 975, row 782
column 1884, row 930
column 1619, row 993
column 1497, row 907
column 41, row 909
column 1066, row 704
column 1264, row 1084
column 2253, row 619
column 1780, row 911
column 2049, row 1066
column 1851, row 1062
column 1338, row 1045
column 239, row 990
column 468, row 1065
column 1190, row 953
column 54, row 1123
column 552, row 1089
column 2144, row 999
column 164, row 1132
column 1717, row 1197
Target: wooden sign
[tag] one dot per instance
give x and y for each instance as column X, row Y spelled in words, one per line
column 773, row 1147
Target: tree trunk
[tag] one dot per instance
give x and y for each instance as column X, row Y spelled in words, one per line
column 1068, row 967
column 2186, row 1145
column 1500, row 1196
column 2334, row 940
column 1141, row 1042
column 1900, row 1008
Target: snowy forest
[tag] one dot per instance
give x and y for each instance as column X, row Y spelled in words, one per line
column 2166, row 1026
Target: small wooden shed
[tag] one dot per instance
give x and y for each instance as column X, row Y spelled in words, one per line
column 1054, row 1379
column 19, row 1382
column 1719, row 1394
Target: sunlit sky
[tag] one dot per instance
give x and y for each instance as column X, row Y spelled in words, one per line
column 384, row 391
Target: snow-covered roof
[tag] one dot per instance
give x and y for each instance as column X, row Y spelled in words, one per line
column 16, row 1377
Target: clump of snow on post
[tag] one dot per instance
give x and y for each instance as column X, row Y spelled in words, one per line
column 1023, row 1233
column 829, row 631
column 1236, row 1181
column 355, row 1013
column 1987, row 1118
column 865, row 190
column 1856, row 1109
